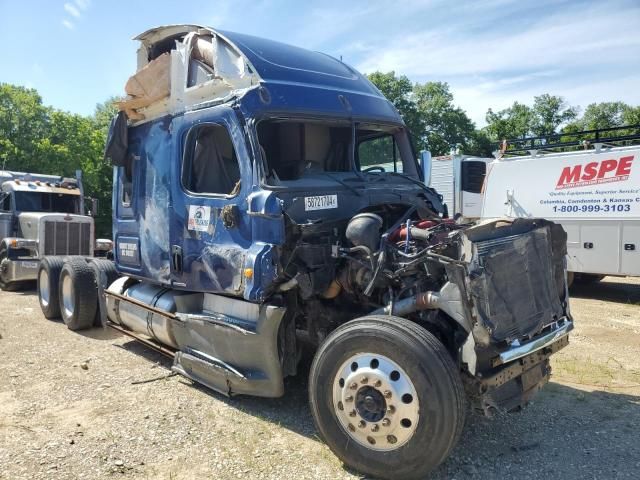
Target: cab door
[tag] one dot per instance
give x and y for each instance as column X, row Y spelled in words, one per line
column 210, row 234
column 6, row 215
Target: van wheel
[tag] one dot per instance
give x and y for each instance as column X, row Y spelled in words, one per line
column 570, row 279
column 587, row 278
column 78, row 294
column 387, row 397
column 48, row 286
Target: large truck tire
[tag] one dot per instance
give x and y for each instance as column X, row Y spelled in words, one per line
column 105, row 274
column 387, row 397
column 107, row 267
column 78, row 294
column 49, row 286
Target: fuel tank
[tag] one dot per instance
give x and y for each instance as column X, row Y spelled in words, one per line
column 143, row 321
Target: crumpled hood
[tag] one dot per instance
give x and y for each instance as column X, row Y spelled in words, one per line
column 29, row 221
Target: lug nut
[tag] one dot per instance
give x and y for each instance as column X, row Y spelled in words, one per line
column 352, row 413
column 387, row 394
column 386, row 422
column 353, row 386
column 349, row 398
column 375, row 428
column 362, row 424
column 351, row 428
column 391, row 409
column 364, row 379
column 391, row 439
column 378, row 383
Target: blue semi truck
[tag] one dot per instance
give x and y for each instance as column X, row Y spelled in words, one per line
column 267, row 200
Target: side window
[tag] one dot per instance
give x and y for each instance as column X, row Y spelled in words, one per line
column 126, row 177
column 210, row 164
column 473, row 173
column 380, row 152
column 127, row 188
column 5, row 201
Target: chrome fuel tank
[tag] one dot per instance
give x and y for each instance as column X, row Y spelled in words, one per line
column 142, row 321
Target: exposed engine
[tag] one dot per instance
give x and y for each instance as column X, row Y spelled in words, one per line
column 458, row 280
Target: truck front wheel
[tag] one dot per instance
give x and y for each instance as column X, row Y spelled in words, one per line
column 387, row 397
column 78, row 294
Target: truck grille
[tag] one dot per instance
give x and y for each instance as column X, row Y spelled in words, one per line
column 514, row 285
column 67, row 238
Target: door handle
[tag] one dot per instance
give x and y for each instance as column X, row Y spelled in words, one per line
column 176, row 258
column 588, row 245
column 629, row 247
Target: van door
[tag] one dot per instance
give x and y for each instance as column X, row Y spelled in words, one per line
column 472, row 173
column 210, row 233
column 600, row 247
column 630, row 252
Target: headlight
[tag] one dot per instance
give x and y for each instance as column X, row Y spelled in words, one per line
column 23, row 243
column 104, row 244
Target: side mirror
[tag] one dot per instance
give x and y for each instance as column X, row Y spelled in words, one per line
column 425, row 165
column 93, row 211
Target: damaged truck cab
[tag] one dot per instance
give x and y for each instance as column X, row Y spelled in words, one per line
column 267, row 199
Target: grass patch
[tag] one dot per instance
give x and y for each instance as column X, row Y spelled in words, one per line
column 589, row 372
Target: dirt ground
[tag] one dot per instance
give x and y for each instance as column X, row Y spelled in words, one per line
column 98, row 405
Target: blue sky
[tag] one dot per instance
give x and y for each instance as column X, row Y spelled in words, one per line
column 79, row 52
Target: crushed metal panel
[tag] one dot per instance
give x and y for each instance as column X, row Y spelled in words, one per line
column 225, row 72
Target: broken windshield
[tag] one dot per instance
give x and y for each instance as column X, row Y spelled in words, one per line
column 297, row 149
column 47, row 202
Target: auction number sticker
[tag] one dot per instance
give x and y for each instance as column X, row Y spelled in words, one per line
column 320, row 202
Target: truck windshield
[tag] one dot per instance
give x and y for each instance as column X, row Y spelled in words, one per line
column 295, row 149
column 47, row 202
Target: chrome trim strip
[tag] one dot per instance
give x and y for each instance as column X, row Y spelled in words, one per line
column 535, row 345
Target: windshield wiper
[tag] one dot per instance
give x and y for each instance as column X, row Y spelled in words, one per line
column 411, row 179
column 344, row 184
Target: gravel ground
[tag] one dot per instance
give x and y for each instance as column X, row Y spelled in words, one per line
column 98, row 405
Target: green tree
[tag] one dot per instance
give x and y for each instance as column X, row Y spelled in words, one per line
column 631, row 115
column 40, row 139
column 100, row 177
column 446, row 125
column 430, row 114
column 545, row 117
column 599, row 115
column 399, row 91
column 549, row 112
column 23, row 122
column 512, row 122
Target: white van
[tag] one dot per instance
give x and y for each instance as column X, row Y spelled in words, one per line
column 594, row 194
column 459, row 179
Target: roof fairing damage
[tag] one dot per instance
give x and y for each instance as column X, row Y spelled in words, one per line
column 182, row 67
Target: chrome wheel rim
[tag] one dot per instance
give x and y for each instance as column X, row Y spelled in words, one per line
column 68, row 297
column 43, row 287
column 375, row 402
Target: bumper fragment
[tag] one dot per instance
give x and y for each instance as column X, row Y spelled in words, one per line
column 562, row 330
